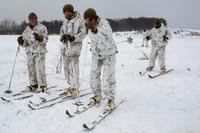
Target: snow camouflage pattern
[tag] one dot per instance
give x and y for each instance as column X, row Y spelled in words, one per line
column 35, row 52
column 158, row 45
column 36, row 69
column 157, row 52
column 32, row 45
column 71, row 51
column 71, row 71
column 102, row 43
column 104, row 51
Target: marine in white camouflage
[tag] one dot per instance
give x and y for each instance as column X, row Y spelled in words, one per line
column 34, row 39
column 72, row 33
column 104, row 51
column 159, row 36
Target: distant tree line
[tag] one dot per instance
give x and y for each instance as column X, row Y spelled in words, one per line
column 137, row 24
column 9, row 26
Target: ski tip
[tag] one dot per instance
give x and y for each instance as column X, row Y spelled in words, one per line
column 67, row 113
column 2, row 98
column 31, row 107
column 150, row 76
column 5, row 99
column 86, row 127
column 31, row 102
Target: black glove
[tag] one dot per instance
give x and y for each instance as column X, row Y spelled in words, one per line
column 30, row 26
column 63, row 38
column 165, row 38
column 70, row 38
column 148, row 38
column 38, row 37
column 67, row 37
column 20, row 40
column 94, row 31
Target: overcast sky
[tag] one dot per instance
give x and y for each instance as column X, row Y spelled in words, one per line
column 178, row 13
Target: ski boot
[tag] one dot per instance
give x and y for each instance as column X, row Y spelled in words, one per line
column 71, row 92
column 163, row 70
column 95, row 99
column 110, row 104
column 149, row 68
column 41, row 89
column 31, row 88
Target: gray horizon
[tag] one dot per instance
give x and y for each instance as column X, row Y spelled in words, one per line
column 178, row 13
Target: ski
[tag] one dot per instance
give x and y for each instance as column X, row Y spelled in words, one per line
column 19, row 98
column 101, row 117
column 47, row 101
column 145, row 55
column 154, row 76
column 80, row 110
column 44, row 100
column 20, row 93
column 24, row 91
column 15, row 96
column 54, row 103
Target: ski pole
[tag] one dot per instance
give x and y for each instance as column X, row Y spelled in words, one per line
column 59, row 65
column 181, row 60
column 60, row 62
column 9, row 87
column 129, row 40
column 82, row 74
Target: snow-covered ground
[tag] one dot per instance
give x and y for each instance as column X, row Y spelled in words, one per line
column 167, row 104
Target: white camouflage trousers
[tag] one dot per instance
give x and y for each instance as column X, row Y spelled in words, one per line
column 157, row 52
column 71, row 71
column 109, row 83
column 36, row 69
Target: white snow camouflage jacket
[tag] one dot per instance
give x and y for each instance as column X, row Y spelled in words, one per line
column 75, row 27
column 32, row 45
column 157, row 35
column 102, row 43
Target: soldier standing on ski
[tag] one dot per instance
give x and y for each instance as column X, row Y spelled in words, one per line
column 144, row 39
column 72, row 34
column 159, row 36
column 34, row 39
column 104, row 51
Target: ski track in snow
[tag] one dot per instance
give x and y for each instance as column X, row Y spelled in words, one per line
column 167, row 104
